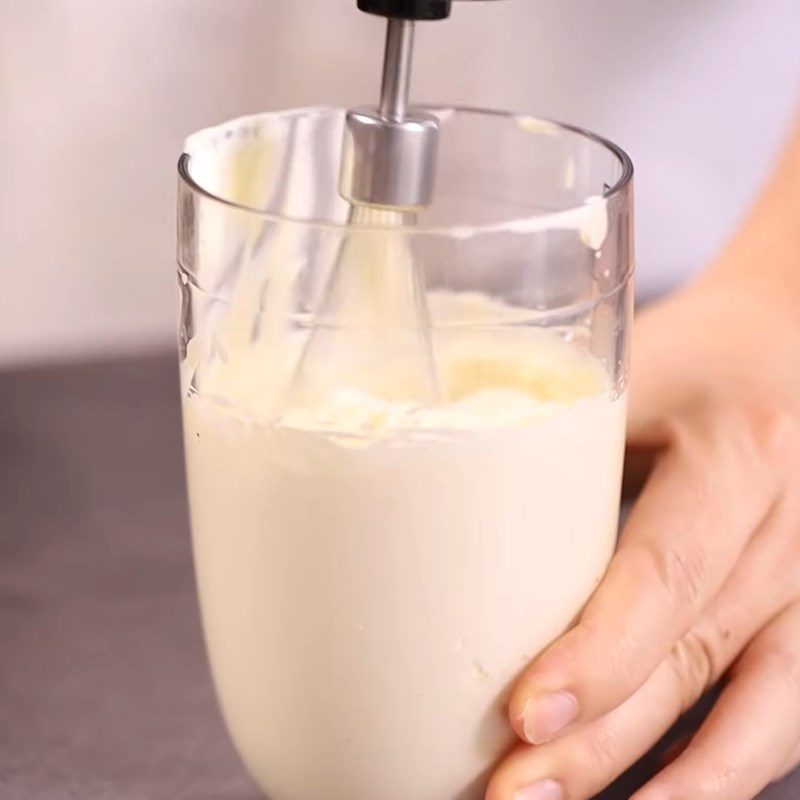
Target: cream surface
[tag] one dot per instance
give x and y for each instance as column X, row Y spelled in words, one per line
column 374, row 572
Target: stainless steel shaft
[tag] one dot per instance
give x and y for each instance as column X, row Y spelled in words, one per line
column 396, row 82
column 389, row 152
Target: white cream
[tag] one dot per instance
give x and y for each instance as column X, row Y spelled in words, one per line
column 375, row 573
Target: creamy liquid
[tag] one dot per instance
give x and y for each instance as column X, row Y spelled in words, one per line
column 374, row 573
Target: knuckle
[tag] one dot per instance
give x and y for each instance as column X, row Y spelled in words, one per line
column 772, row 430
column 759, row 428
column 623, row 659
column 693, row 661
column 726, row 778
column 681, row 571
column 619, row 651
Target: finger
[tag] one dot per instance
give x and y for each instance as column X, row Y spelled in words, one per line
column 589, row 757
column 703, row 502
column 583, row 762
column 753, row 729
column 764, row 580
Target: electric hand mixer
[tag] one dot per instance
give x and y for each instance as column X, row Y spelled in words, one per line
column 374, row 309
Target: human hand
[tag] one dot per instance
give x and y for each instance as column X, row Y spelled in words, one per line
column 706, row 580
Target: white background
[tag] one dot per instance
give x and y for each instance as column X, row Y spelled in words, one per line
column 96, row 97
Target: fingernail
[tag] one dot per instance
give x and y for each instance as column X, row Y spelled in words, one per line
column 541, row 790
column 547, row 714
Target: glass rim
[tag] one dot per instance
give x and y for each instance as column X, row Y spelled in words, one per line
column 528, row 223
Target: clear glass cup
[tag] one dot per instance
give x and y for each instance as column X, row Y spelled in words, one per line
column 376, row 564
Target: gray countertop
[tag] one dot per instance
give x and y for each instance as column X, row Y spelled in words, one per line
column 104, row 688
